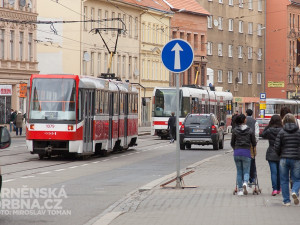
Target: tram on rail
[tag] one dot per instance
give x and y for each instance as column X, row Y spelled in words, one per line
column 274, row 105
column 80, row 114
column 192, row 100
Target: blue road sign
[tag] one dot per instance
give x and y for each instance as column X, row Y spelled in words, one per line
column 262, row 95
column 177, row 55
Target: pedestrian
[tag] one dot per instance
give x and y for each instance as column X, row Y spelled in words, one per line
column 233, row 123
column 242, row 139
column 284, row 110
column 286, row 146
column 12, row 119
column 252, row 123
column 270, row 132
column 19, row 123
column 172, row 127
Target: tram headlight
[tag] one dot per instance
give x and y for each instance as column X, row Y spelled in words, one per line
column 70, row 127
column 31, row 126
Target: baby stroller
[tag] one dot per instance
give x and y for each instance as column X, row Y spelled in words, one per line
column 255, row 190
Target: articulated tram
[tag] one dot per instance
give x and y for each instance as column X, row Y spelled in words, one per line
column 274, row 105
column 192, row 100
column 81, row 115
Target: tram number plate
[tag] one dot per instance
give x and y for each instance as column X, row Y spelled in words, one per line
column 197, row 130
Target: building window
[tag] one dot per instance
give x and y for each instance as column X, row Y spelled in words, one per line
column 220, row 76
column 250, row 28
column 258, row 78
column 113, row 22
column 148, row 69
column 202, row 42
column 130, row 67
column 84, row 17
column 220, row 49
column 92, row 17
column 30, row 39
column 135, row 66
column 229, row 79
column 240, row 77
column 118, row 66
column 241, row 3
column 130, row 26
column 230, row 2
column 240, row 52
column 249, row 77
column 84, row 64
column 241, row 24
column 99, row 17
column 221, row 1
column 230, row 48
column 259, row 28
column 99, row 63
column 105, row 62
column 209, row 48
column 230, row 25
column 209, row 21
column 92, row 62
column 21, row 45
column 250, row 4
column 196, row 42
column 1, row 3
column 259, row 8
column 136, row 27
column 12, row 43
column 2, row 36
column 220, row 27
column 123, row 66
column 259, row 54
column 250, row 52
column 106, row 22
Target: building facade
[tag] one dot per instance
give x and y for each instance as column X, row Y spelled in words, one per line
column 235, row 46
column 17, row 54
column 189, row 23
column 282, row 45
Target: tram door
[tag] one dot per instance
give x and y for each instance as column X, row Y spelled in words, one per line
column 126, row 119
column 88, row 112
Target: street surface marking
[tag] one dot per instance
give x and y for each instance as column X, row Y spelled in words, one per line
column 59, row 170
column 72, row 167
column 25, row 177
column 5, row 181
column 85, row 165
column 45, row 172
column 96, row 162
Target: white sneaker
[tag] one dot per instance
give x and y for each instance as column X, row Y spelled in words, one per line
column 240, row 193
column 245, row 187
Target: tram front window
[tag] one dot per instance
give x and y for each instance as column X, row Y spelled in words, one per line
column 270, row 109
column 53, row 99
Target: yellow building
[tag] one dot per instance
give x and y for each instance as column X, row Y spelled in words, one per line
column 17, row 54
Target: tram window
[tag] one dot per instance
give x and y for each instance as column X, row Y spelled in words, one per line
column 116, row 100
column 80, row 105
column 121, row 103
column 135, row 103
column 129, row 104
column 186, row 106
column 97, row 100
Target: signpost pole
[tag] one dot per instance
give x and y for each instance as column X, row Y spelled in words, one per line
column 178, row 180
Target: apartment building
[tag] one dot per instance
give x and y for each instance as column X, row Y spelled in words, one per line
column 283, row 47
column 235, row 48
column 17, row 54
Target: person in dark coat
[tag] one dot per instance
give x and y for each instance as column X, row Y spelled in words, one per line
column 12, row 125
column 172, row 127
column 270, row 132
column 19, row 123
column 233, row 118
column 241, row 140
column 287, row 146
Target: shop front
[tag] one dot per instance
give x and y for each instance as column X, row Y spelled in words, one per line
column 5, row 103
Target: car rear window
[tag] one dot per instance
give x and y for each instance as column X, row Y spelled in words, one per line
column 263, row 121
column 198, row 119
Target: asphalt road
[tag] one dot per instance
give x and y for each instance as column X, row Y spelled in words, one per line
column 66, row 191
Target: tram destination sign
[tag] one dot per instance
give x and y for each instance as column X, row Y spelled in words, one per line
column 177, row 55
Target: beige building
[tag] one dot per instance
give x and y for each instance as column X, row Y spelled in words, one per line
column 17, row 54
column 235, row 46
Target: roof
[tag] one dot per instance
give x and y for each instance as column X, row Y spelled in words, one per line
column 191, row 6
column 153, row 4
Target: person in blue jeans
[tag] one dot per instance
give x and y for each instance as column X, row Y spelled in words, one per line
column 287, row 146
column 270, row 132
column 241, row 140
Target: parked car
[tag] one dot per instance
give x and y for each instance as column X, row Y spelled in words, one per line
column 201, row 129
column 4, row 143
column 262, row 123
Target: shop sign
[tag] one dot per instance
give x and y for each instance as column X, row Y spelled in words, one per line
column 237, row 99
column 276, row 84
column 5, row 90
column 22, row 90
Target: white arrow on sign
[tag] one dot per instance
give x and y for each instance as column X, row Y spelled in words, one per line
column 177, row 50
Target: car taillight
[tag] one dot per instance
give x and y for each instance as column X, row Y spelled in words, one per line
column 181, row 131
column 213, row 129
column 70, row 127
column 31, row 126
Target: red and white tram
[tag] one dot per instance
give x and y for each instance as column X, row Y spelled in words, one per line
column 274, row 105
column 79, row 114
column 192, row 100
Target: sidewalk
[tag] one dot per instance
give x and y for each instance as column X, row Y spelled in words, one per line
column 211, row 203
